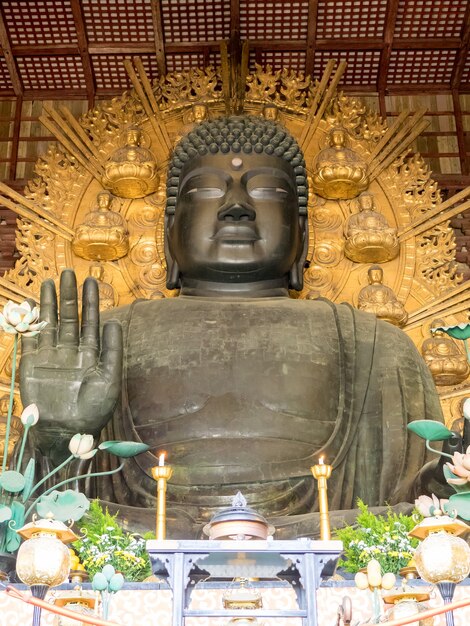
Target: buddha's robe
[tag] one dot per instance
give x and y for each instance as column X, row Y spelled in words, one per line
column 248, row 394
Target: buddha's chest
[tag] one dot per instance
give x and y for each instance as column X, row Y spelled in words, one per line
column 189, row 357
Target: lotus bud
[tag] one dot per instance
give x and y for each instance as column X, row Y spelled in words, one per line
column 374, row 573
column 30, row 415
column 81, row 446
column 388, row 580
column 361, row 581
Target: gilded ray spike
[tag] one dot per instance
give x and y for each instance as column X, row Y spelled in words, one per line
column 70, row 118
column 454, row 295
column 442, row 216
column 324, row 103
column 444, row 311
column 225, row 70
column 439, row 209
column 387, row 136
column 317, row 98
column 11, row 291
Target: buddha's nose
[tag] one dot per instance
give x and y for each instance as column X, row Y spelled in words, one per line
column 237, row 212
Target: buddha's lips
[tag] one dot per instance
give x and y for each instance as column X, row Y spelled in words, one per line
column 233, row 232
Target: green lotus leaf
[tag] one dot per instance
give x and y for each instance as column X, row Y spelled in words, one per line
column 461, row 331
column 64, row 505
column 430, row 430
column 458, row 488
column 460, row 502
column 5, row 513
column 12, row 481
column 13, row 539
column 99, row 582
column 116, row 582
column 124, row 449
column 28, row 479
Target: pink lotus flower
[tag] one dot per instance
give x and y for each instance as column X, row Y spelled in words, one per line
column 429, row 506
column 460, row 468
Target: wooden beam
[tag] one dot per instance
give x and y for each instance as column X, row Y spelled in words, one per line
column 83, row 47
column 158, row 36
column 133, row 48
column 390, row 21
column 461, row 57
column 464, row 167
column 9, row 58
column 235, row 16
column 311, row 36
column 418, row 43
column 16, row 137
column 51, row 49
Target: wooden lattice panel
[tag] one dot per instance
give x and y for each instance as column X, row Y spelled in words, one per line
column 421, row 66
column 55, row 72
column 5, row 81
column 178, row 62
column 111, row 21
column 39, row 22
column 343, row 19
column 110, row 71
column 187, row 20
column 466, row 71
column 279, row 59
column 273, row 19
column 425, row 18
column 362, row 69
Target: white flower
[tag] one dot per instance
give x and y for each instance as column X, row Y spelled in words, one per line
column 429, row 506
column 81, row 446
column 30, row 415
column 21, row 319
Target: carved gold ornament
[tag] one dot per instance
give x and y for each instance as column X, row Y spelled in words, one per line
column 410, row 233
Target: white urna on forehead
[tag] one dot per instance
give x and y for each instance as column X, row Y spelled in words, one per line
column 242, row 135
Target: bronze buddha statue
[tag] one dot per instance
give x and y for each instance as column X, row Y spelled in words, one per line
column 243, row 386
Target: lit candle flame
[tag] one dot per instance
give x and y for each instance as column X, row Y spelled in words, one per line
column 320, row 461
column 161, row 459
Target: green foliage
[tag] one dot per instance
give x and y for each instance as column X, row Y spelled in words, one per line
column 380, row 537
column 106, row 543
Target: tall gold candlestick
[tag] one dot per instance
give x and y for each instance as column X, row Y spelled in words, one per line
column 162, row 474
column 322, row 472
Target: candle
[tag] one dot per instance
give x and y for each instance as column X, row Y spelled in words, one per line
column 162, row 474
column 321, row 472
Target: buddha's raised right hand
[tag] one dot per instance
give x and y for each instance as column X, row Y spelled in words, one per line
column 73, row 379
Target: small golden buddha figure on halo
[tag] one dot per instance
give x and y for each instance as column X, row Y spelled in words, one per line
column 108, row 296
column 270, row 112
column 369, row 238
column 16, row 428
column 103, row 234
column 338, row 171
column 448, row 364
column 131, row 172
column 380, row 300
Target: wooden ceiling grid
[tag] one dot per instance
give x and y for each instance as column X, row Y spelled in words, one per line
column 74, row 50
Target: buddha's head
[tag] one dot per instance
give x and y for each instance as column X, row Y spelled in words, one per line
column 104, row 200
column 199, row 112
column 436, row 327
column 133, row 136
column 97, row 271
column 375, row 274
column 338, row 138
column 366, row 202
column 236, row 206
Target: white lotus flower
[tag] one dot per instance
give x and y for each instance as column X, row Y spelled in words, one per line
column 21, row 319
column 81, row 446
column 30, row 415
column 429, row 506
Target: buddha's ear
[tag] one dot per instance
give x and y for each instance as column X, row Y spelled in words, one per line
column 296, row 274
column 172, row 269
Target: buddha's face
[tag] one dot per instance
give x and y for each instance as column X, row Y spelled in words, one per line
column 236, row 219
column 338, row 138
column 104, row 200
column 375, row 275
column 366, row 202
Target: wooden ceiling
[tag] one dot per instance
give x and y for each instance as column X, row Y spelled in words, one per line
column 62, row 49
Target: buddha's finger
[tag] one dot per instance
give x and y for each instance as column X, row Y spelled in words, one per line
column 68, row 322
column 48, row 313
column 111, row 354
column 90, row 335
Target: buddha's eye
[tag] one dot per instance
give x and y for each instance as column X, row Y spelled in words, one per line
column 206, row 193
column 266, row 193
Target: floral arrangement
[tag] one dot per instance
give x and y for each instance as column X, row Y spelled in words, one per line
column 18, row 488
column 384, row 538
column 105, row 542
